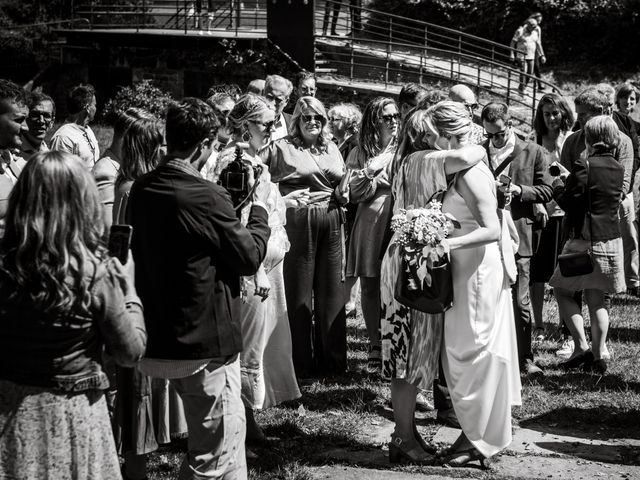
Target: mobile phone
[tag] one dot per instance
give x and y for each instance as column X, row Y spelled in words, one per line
column 119, row 242
column 505, row 179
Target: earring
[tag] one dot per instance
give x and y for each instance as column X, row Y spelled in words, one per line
column 246, row 135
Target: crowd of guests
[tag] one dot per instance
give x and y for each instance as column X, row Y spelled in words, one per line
column 225, row 308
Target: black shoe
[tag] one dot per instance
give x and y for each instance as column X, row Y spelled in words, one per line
column 448, row 418
column 578, row 360
column 597, row 366
column 634, row 291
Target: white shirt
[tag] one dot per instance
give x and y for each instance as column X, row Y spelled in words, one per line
column 78, row 140
column 499, row 155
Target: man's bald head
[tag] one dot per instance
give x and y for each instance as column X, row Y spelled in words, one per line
column 462, row 94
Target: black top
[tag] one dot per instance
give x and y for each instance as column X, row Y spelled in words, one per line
column 604, row 180
column 190, row 250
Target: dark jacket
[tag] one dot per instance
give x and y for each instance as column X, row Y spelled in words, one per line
column 64, row 352
column 604, row 180
column 629, row 127
column 528, row 169
column 190, row 250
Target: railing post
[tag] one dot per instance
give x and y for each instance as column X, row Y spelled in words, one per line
column 509, row 87
column 493, row 59
column 141, row 20
column 459, row 54
column 386, row 67
column 351, row 60
column 177, row 15
column 421, row 62
column 533, row 104
column 91, row 16
column 186, row 16
column 426, row 38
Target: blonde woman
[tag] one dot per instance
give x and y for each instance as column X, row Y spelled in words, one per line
column 266, row 366
column 308, row 167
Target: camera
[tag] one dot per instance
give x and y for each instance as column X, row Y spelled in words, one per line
column 554, row 171
column 235, row 177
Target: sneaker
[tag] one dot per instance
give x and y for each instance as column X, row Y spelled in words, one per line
column 566, row 349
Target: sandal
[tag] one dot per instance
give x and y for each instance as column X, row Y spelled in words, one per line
column 400, row 452
column 462, row 457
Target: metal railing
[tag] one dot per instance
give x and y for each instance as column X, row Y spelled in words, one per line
column 231, row 16
column 392, row 56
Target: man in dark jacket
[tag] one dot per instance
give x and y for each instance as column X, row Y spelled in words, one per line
column 190, row 250
column 523, row 178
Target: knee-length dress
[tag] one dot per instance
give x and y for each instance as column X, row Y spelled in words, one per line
column 410, row 338
column 479, row 355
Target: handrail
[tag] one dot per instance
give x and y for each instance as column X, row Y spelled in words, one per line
column 404, row 20
column 43, row 24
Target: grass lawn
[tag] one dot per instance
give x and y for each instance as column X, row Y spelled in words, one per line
column 343, row 412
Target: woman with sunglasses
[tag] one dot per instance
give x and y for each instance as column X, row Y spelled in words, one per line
column 267, row 373
column 369, row 187
column 309, row 169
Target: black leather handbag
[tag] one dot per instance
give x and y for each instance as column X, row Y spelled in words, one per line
column 435, row 298
column 579, row 263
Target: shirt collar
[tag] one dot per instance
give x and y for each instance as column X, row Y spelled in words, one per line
column 181, row 164
column 507, row 147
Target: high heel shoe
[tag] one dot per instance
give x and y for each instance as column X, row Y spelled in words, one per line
column 451, row 449
column 578, row 360
column 463, row 457
column 400, row 452
column 430, row 449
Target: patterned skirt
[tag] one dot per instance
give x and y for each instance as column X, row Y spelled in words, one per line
column 411, row 339
column 59, row 435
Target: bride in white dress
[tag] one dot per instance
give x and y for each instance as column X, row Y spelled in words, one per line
column 479, row 353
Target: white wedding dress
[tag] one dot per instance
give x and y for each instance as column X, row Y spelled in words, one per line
column 479, row 355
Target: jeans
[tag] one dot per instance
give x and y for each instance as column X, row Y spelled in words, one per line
column 216, row 422
column 526, row 67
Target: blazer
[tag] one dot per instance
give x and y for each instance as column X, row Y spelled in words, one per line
column 604, row 180
column 190, row 251
column 529, row 170
column 16, row 164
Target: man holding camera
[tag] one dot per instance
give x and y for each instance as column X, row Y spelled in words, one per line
column 190, row 251
column 523, row 179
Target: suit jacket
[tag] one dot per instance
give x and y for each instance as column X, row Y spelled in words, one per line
column 529, row 170
column 190, row 250
column 16, row 164
column 604, row 179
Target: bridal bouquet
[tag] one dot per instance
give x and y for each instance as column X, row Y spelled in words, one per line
column 424, row 281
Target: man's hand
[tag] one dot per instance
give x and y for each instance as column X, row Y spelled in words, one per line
column 262, row 284
column 511, row 189
column 542, row 59
column 124, row 274
column 540, row 214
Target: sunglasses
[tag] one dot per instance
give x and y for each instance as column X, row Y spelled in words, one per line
column 266, row 125
column 391, row 117
column 312, row 118
column 335, row 119
column 500, row 134
column 35, row 116
column 471, row 106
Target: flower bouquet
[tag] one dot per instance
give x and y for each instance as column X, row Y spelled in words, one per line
column 424, row 281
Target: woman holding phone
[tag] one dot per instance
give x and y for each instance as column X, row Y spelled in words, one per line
column 62, row 301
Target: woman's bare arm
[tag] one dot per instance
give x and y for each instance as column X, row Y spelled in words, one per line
column 478, row 191
column 463, row 158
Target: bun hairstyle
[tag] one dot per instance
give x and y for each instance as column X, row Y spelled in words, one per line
column 602, row 133
column 450, row 119
column 248, row 107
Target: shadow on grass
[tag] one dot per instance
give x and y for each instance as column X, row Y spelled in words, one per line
column 587, row 382
column 599, row 423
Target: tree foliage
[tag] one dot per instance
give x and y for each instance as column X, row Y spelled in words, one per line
column 142, row 95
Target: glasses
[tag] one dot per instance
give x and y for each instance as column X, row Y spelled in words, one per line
column 312, row 118
column 335, row 119
column 266, row 125
column 471, row 106
column 497, row 135
column 391, row 117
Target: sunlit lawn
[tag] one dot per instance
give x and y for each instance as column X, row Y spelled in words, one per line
column 334, row 413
